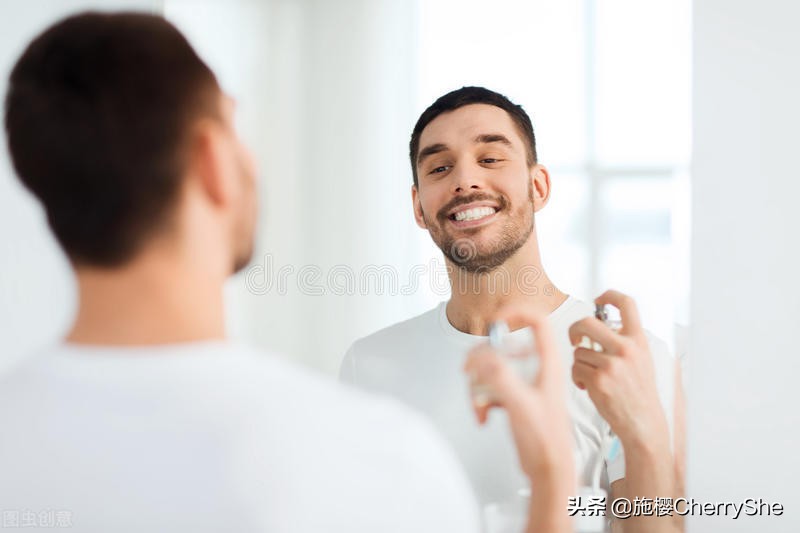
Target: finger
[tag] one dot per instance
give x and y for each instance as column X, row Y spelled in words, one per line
column 583, row 375
column 627, row 310
column 597, row 331
column 550, row 364
column 598, row 360
column 482, row 411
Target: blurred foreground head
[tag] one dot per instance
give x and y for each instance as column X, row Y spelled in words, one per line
column 122, row 132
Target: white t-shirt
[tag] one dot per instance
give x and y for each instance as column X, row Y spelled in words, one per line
column 420, row 361
column 215, row 437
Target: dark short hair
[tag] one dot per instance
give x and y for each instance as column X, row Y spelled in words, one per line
column 473, row 95
column 97, row 114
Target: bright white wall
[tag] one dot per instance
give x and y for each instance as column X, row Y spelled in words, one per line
column 325, row 92
column 37, row 293
column 744, row 426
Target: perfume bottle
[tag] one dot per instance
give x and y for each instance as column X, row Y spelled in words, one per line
column 601, row 314
column 519, row 353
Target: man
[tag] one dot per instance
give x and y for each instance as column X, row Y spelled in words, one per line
column 477, row 185
column 146, row 418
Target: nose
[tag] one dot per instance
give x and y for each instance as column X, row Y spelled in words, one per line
column 465, row 179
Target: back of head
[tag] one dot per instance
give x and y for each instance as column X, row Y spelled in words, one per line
column 97, row 115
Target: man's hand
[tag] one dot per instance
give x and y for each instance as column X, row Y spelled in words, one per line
column 621, row 382
column 621, row 379
column 537, row 411
column 539, row 420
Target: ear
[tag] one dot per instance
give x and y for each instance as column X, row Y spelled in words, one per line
column 208, row 163
column 417, row 208
column 540, row 179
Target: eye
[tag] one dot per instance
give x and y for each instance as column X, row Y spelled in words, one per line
column 439, row 170
column 490, row 160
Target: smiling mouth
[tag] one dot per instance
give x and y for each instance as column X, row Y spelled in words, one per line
column 474, row 213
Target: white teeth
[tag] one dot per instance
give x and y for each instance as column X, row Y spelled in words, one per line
column 474, row 213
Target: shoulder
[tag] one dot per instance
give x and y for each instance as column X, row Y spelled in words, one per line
column 377, row 440
column 569, row 312
column 324, row 400
column 402, row 451
column 419, row 329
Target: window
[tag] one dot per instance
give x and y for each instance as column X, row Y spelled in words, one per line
column 607, row 85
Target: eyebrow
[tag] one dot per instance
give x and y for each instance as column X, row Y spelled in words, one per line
column 487, row 138
column 484, row 138
column 430, row 150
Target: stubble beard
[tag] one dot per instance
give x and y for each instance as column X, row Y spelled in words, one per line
column 466, row 254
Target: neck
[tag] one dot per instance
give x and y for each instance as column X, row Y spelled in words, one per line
column 155, row 299
column 520, row 281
